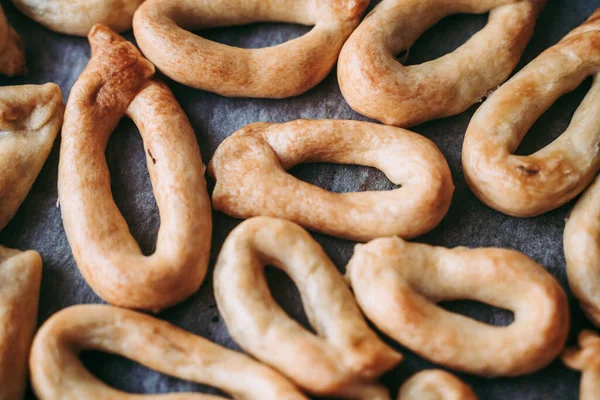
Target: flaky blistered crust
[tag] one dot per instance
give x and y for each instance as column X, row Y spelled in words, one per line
column 398, row 285
column 58, row 374
column 375, row 84
column 30, row 118
column 20, row 279
column 587, row 360
column 12, row 49
column 162, row 31
column 526, row 186
column 77, row 17
column 344, row 357
column 251, row 178
column 117, row 81
column 435, row 384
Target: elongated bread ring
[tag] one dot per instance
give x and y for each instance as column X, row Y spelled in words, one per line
column 77, row 17
column 587, row 360
column 375, row 84
column 344, row 357
column 525, row 186
column 397, row 284
column 435, row 384
column 249, row 168
column 20, row 279
column 58, row 374
column 30, row 118
column 115, row 82
column 289, row 69
column 582, row 251
column 12, row 49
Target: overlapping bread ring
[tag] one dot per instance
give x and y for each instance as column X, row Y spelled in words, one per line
column 12, row 52
column 77, row 17
column 435, row 384
column 117, row 81
column 289, row 69
column 249, row 168
column 343, row 358
column 397, row 285
column 58, row 374
column 587, row 360
column 525, row 186
column 375, row 84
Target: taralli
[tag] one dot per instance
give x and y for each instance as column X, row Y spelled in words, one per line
column 587, row 360
column 375, row 84
column 58, row 374
column 162, row 31
column 20, row 278
column 77, row 17
column 435, row 384
column 117, row 81
column 582, row 251
column 526, row 186
column 343, row 358
column 30, row 118
column 251, row 178
column 12, row 52
column 397, row 285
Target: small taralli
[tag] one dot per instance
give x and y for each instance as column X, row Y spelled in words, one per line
column 398, row 285
column 344, row 358
column 12, row 51
column 587, row 360
column 526, row 186
column 435, row 384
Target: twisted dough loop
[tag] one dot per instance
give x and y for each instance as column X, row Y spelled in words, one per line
column 162, row 31
column 525, row 186
column 12, row 49
column 435, row 384
column 249, row 168
column 115, row 82
column 58, row 374
column 376, row 85
column 345, row 356
column 587, row 360
column 397, row 285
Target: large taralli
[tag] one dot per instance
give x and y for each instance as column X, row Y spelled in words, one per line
column 117, row 81
column 344, row 358
column 251, row 179
column 376, row 85
column 398, row 285
column 435, row 384
column 526, row 186
column 12, row 52
column 162, row 31
column 587, row 360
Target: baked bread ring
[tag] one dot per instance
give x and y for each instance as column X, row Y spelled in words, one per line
column 525, row 186
column 58, row 374
column 376, row 85
column 397, row 285
column 343, row 358
column 117, row 81
column 12, row 49
column 582, row 251
column 587, row 360
column 77, row 17
column 20, row 279
column 30, row 118
column 249, row 168
column 435, row 384
column 162, row 27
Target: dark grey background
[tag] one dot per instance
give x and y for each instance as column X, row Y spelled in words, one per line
column 60, row 59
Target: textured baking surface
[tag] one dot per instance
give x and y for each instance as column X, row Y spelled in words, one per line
column 58, row 58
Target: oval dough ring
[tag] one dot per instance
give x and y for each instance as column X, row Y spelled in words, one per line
column 582, row 251
column 117, row 81
column 343, row 357
column 435, row 384
column 58, row 374
column 249, row 168
column 12, row 49
column 397, row 285
column 376, row 85
column 289, row 69
column 525, row 186
column 587, row 360
column 77, row 17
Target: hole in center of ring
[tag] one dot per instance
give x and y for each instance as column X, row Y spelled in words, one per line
column 479, row 311
column 254, row 36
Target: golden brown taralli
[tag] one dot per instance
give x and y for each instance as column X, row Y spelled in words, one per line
column 12, row 49
column 587, row 360
column 435, row 384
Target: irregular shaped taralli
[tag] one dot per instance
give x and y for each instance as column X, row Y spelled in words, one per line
column 251, row 179
column 345, row 356
column 77, row 17
column 115, row 82
column 162, row 31
column 12, row 49
column 20, row 279
column 30, row 118
column 397, row 285
column 525, row 186
column 58, row 374
column 587, row 360
column 376, row 85
column 435, row 384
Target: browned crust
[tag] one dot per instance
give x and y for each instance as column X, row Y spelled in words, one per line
column 435, row 384
column 587, row 360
